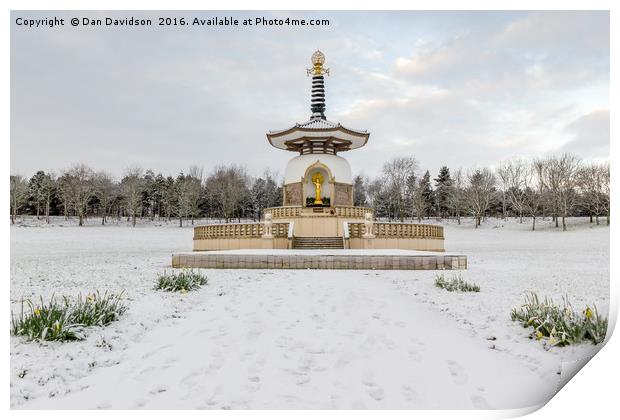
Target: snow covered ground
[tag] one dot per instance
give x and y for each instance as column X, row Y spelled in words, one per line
column 301, row 338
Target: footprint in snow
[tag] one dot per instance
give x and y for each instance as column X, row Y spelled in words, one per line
column 253, row 384
column 410, row 394
column 417, row 341
column 303, row 379
column 374, row 390
column 158, row 390
column 480, row 402
column 457, row 372
column 414, row 355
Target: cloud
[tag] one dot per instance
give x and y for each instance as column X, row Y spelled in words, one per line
column 456, row 88
column 590, row 135
column 540, row 50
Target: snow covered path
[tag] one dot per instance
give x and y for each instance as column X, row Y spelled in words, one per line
column 314, row 341
column 301, row 338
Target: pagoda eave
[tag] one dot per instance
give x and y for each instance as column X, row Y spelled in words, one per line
column 338, row 138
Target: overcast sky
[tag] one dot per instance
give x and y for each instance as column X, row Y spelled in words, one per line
column 461, row 89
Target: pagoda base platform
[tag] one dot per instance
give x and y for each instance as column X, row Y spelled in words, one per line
column 323, row 259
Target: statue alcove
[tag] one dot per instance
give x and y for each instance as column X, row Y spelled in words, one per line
column 318, row 170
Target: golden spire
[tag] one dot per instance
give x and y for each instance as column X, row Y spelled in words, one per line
column 318, row 59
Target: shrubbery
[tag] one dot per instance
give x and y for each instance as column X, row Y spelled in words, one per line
column 66, row 319
column 560, row 326
column 455, row 284
column 183, row 281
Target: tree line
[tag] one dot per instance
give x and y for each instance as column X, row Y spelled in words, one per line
column 227, row 193
column 555, row 186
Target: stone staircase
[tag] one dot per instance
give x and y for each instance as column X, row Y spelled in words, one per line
column 316, row 242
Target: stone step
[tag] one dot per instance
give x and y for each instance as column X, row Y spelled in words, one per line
column 304, row 241
column 317, row 242
column 317, row 246
column 321, row 245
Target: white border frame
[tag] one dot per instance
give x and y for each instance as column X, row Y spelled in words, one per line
column 592, row 394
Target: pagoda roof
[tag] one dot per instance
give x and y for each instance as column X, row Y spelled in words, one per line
column 318, row 130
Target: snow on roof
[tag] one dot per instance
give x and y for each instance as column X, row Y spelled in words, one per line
column 317, row 124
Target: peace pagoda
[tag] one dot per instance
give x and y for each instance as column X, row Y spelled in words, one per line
column 317, row 210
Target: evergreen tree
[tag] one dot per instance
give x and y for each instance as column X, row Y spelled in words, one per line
column 427, row 190
column 157, row 194
column 182, row 190
column 169, row 197
column 443, row 185
column 36, row 191
column 264, row 193
column 148, row 194
column 359, row 191
column 49, row 191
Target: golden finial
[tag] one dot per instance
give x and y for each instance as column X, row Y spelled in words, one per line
column 318, row 59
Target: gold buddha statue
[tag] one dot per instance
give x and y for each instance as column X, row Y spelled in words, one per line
column 317, row 180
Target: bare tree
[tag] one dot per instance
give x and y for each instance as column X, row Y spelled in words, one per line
column 456, row 195
column 534, row 190
column 132, row 186
column 517, row 176
column 551, row 179
column 420, row 200
column 605, row 175
column 49, row 188
column 479, row 192
column 194, row 191
column 503, row 173
column 106, row 191
column 376, row 194
column 19, row 194
column 397, row 173
column 78, row 189
column 228, row 188
column 566, row 167
column 590, row 180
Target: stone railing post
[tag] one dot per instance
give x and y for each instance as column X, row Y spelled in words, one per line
column 289, row 235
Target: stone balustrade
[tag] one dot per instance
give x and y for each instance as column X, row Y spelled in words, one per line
column 283, row 212
column 239, row 230
column 353, row 211
column 397, row 230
